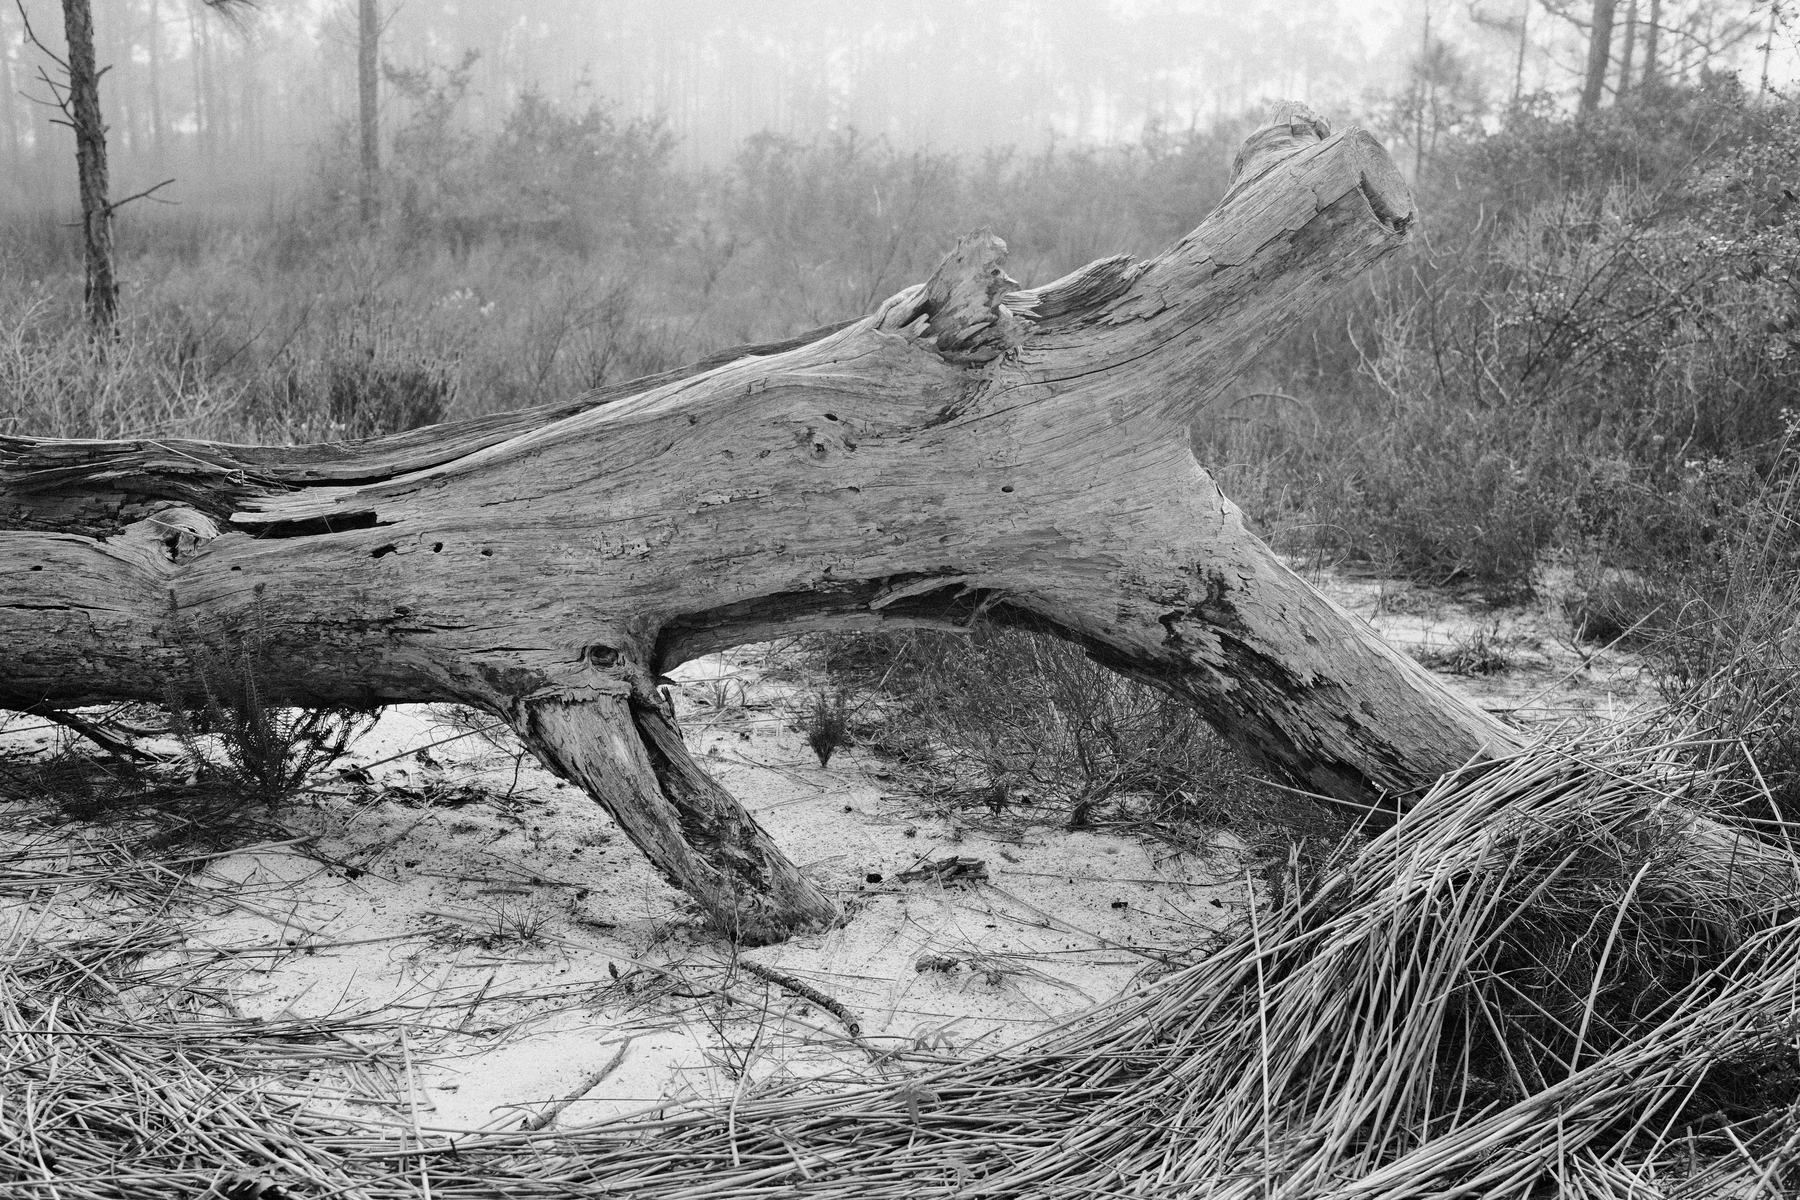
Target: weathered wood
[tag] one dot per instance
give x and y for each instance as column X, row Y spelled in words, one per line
column 967, row 449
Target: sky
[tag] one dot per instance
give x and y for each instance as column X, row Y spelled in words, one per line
column 962, row 74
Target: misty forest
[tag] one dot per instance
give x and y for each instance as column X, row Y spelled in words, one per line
column 1063, row 599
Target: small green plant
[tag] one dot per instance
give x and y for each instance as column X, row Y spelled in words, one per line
column 521, row 924
column 826, row 723
column 1481, row 653
column 723, row 693
column 498, row 922
column 270, row 751
column 1616, row 609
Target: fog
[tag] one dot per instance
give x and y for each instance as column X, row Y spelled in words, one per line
column 241, row 109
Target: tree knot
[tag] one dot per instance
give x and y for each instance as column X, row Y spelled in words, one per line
column 1291, row 126
column 963, row 302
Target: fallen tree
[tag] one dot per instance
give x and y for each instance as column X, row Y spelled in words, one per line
column 970, row 450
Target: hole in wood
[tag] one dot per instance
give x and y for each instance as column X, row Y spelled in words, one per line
column 311, row 526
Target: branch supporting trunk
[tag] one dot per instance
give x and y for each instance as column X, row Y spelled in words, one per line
column 970, row 450
column 633, row 761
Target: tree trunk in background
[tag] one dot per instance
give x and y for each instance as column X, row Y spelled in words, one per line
column 1599, row 56
column 218, row 110
column 153, row 41
column 1419, row 85
column 1625, row 53
column 1651, row 29
column 967, row 452
column 252, row 107
column 1768, row 48
column 368, row 99
column 9, row 115
column 83, row 109
column 127, row 105
column 1519, row 66
column 196, row 58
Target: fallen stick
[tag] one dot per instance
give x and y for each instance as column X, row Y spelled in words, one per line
column 588, row 1083
column 806, row 992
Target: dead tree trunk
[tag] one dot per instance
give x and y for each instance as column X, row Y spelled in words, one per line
column 81, row 107
column 968, row 450
column 1599, row 55
column 1652, row 29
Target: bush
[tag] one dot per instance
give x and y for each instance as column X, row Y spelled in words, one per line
column 366, row 398
column 1592, row 346
column 269, row 752
column 1007, row 719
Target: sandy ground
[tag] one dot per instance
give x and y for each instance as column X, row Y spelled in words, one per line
column 522, row 951
column 539, row 955
column 1522, row 663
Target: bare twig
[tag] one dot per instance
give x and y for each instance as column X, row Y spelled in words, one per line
column 589, row 1082
column 805, row 991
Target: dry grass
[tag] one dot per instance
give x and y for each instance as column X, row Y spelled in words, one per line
column 120, row 1073
column 1547, row 979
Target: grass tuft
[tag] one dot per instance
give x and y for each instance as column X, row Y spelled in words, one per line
column 826, row 723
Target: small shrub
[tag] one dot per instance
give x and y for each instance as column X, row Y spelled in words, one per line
column 1481, row 653
column 366, row 397
column 270, row 752
column 826, row 723
column 1617, row 609
column 1590, row 352
column 498, row 924
column 150, row 808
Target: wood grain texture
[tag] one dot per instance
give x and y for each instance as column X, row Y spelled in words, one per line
column 967, row 449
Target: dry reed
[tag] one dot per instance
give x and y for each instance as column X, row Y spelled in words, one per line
column 1546, row 979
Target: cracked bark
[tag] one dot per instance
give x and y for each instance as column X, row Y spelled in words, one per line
column 968, row 448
